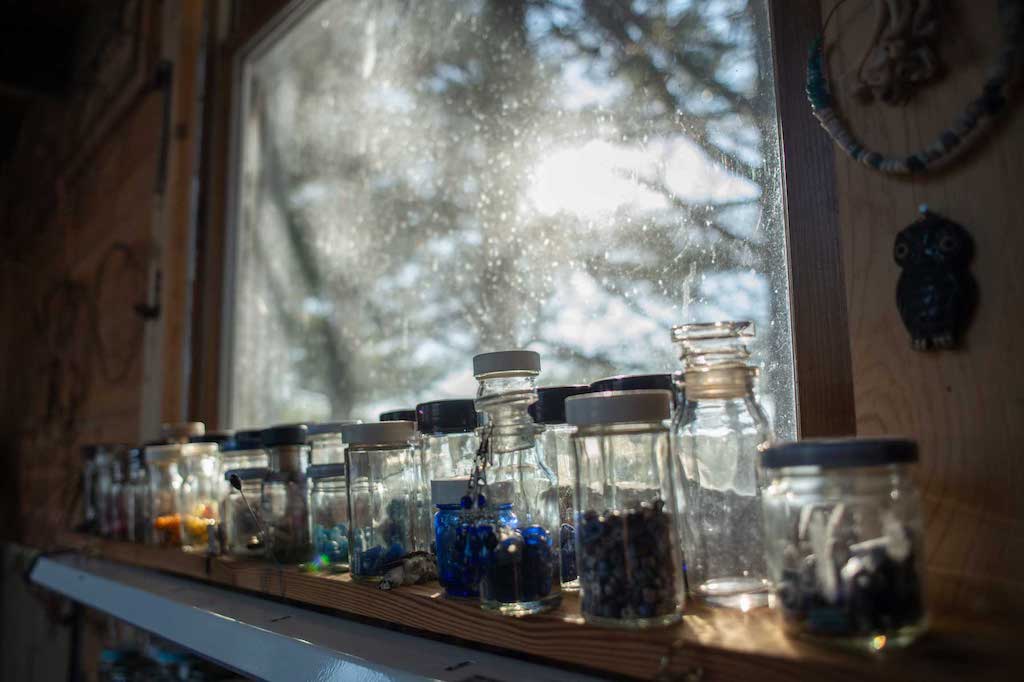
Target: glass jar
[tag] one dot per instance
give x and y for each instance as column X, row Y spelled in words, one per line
column 117, row 498
column 199, row 496
column 844, row 540
column 403, row 415
column 137, row 502
column 520, row 571
column 381, row 487
column 328, row 515
column 90, row 490
column 627, row 543
column 164, row 486
column 719, row 435
column 243, row 536
column 326, row 445
column 283, row 504
column 244, row 451
column 181, row 432
column 556, row 446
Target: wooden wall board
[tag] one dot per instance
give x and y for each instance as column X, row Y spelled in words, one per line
column 966, row 407
column 709, row 644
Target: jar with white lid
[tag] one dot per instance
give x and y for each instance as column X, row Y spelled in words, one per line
column 627, row 547
column 845, row 540
column 381, row 491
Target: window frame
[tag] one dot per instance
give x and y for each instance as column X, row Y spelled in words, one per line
column 818, row 307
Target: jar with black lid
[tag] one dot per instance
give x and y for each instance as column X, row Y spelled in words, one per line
column 844, row 540
column 328, row 516
column 402, row 415
column 446, row 443
column 284, row 502
column 642, row 382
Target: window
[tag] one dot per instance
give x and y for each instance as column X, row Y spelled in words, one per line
column 422, row 181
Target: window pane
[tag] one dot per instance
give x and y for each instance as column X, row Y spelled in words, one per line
column 422, row 181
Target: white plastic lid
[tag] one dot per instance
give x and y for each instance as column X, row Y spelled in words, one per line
column 448, row 490
column 617, row 407
column 506, row 361
column 182, row 431
column 377, row 433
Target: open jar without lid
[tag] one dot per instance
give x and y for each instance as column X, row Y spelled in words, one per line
column 844, row 540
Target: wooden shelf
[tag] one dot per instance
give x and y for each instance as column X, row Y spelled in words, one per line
column 718, row 644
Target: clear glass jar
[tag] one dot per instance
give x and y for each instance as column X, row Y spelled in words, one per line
column 115, row 506
column 719, row 435
column 326, row 445
column 243, row 536
column 284, row 504
column 164, row 486
column 202, row 488
column 382, row 484
column 520, row 571
column 137, row 493
column 557, row 451
column 90, row 490
column 627, row 543
column 845, row 540
column 245, row 451
column 328, row 515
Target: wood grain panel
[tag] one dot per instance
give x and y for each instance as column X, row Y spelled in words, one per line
column 965, row 407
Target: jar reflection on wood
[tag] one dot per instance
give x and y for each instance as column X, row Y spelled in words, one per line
column 630, row 566
column 844, row 540
column 382, row 485
column 164, row 486
column 199, row 496
column 557, row 454
column 719, row 435
column 328, row 515
column 243, row 536
column 284, row 505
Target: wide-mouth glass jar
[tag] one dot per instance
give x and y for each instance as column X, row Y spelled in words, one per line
column 164, row 486
column 243, row 536
column 382, row 484
column 199, row 496
column 284, row 502
column 554, row 440
column 845, row 540
column 328, row 515
column 627, row 549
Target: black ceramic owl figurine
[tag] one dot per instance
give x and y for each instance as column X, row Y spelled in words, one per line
column 936, row 293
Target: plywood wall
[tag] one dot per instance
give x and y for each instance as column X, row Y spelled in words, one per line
column 965, row 407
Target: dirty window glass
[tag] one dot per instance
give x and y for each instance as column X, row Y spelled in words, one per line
column 422, row 181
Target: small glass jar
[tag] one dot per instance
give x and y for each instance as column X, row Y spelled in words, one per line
column 402, row 415
column 557, row 451
column 243, row 536
column 116, row 521
column 719, row 435
column 177, row 433
column 164, row 486
column 520, row 567
column 382, row 483
column 137, row 494
column 245, row 451
column 199, row 496
column 328, row 515
column 627, row 546
column 284, row 504
column 845, row 540
column 326, row 445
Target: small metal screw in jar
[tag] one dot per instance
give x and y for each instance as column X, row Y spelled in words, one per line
column 243, row 536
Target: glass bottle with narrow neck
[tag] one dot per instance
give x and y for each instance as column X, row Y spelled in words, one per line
column 719, row 435
column 520, row 571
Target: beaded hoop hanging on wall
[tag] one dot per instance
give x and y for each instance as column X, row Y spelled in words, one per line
column 959, row 136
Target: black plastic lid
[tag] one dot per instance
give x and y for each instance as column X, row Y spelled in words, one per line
column 550, row 405
column 398, row 416
column 137, row 456
column 89, row 451
column 329, row 427
column 634, row 382
column 446, row 416
column 249, row 439
column 840, row 452
column 285, row 434
column 218, row 437
column 247, row 474
column 332, row 470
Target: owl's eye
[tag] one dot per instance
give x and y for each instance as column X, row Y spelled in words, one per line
column 902, row 251
column 947, row 243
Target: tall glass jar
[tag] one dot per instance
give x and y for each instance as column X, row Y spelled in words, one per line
column 844, row 540
column 284, row 504
column 719, row 435
column 164, row 486
column 137, row 489
column 520, row 567
column 382, row 485
column 199, row 496
column 328, row 516
column 243, row 536
column 556, row 445
column 627, row 547
column 326, row 445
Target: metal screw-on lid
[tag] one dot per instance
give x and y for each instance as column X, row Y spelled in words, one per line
column 618, row 407
column 286, row 434
column 448, row 490
column 527, row 361
column 403, row 415
column 832, row 453
column 550, row 405
column 182, row 431
column 248, row 473
column 446, row 416
column 332, row 470
column 378, row 433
